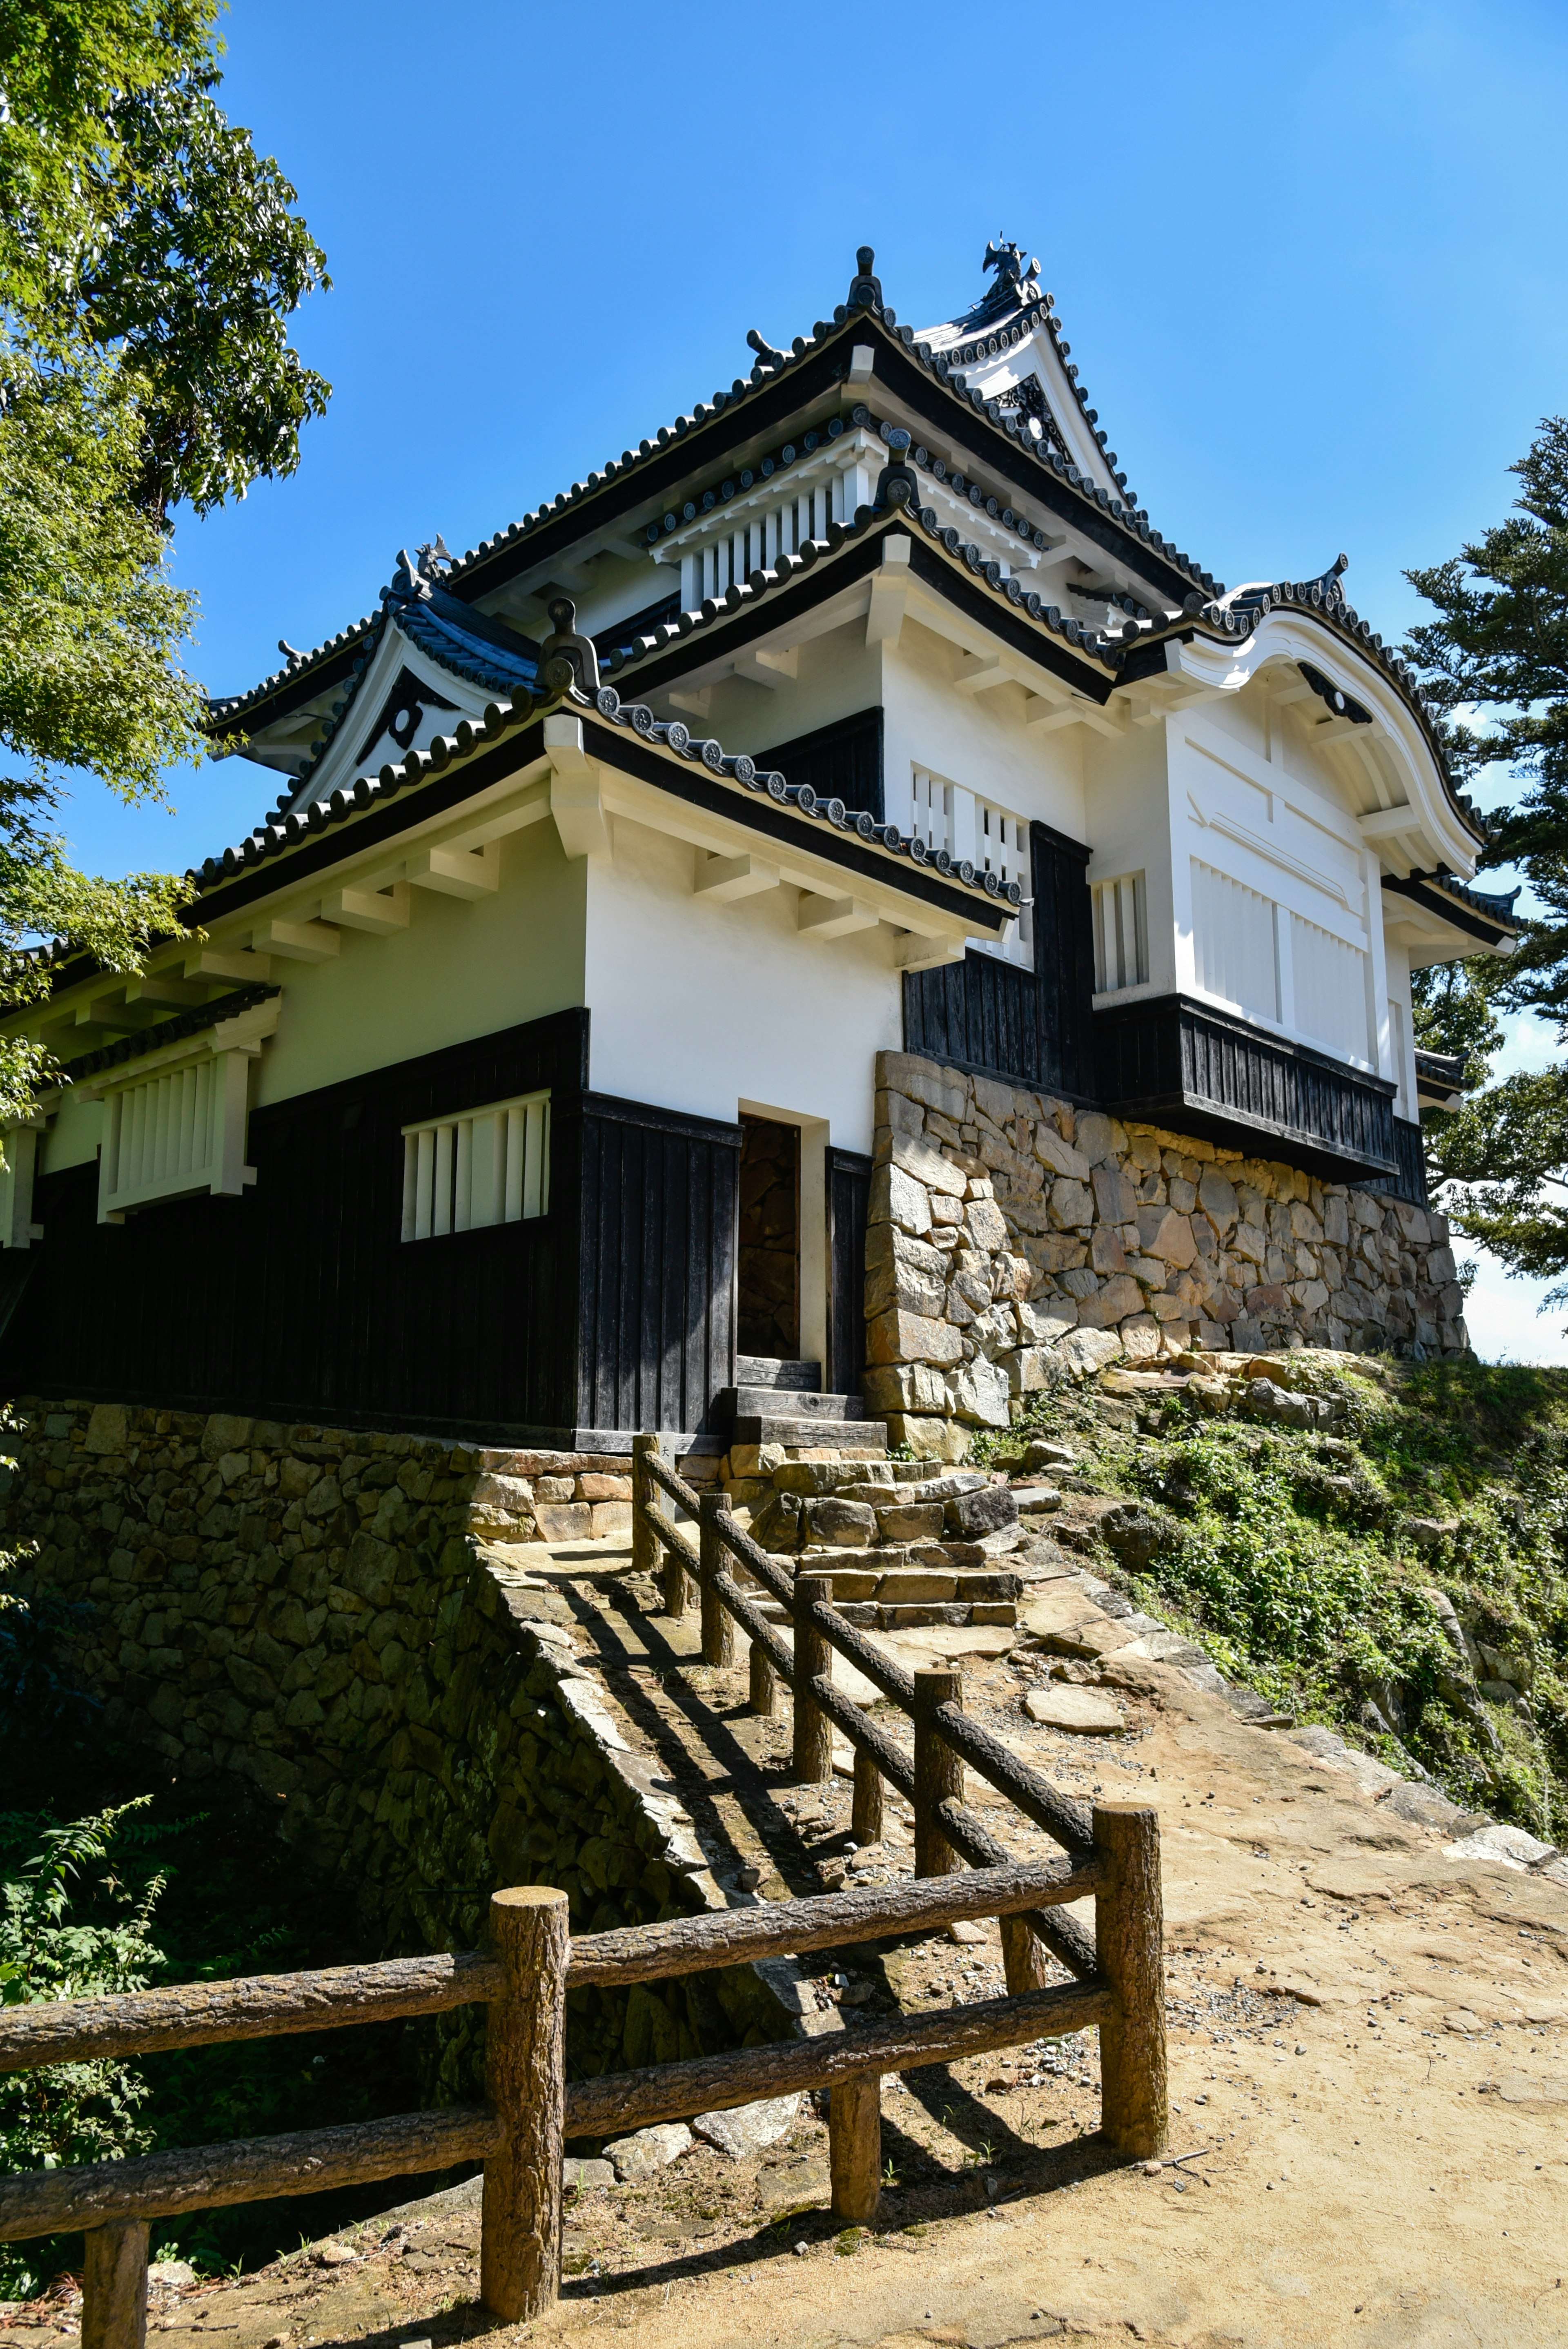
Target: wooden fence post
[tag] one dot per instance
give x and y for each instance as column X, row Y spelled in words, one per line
column 812, row 1657
column 762, row 1693
column 1024, row 1963
column 525, row 2081
column 114, row 2286
column 717, row 1623
column 939, row 1771
column 644, row 1547
column 854, row 2147
column 865, row 1819
column 1128, row 1936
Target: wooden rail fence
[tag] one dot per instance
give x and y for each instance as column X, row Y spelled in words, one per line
column 531, row 2108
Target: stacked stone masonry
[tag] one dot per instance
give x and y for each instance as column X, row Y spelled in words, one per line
column 316, row 1611
column 1013, row 1238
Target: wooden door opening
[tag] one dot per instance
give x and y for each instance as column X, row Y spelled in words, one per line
column 768, row 1271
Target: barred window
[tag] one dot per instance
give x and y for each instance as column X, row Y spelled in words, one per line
column 489, row 1166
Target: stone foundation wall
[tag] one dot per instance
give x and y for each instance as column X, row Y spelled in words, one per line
column 1013, row 1240
column 311, row 1609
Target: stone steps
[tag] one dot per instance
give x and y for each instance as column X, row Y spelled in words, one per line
column 829, row 1434
column 767, row 1371
column 753, row 1402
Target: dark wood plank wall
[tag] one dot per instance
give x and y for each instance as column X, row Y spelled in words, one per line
column 657, row 1305
column 841, row 761
column 1168, row 1057
column 1410, row 1183
column 848, row 1186
column 302, row 1300
column 1032, row 1027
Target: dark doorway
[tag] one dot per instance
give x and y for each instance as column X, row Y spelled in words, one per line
column 768, row 1305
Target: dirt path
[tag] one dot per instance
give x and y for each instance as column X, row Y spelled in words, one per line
column 1369, row 2050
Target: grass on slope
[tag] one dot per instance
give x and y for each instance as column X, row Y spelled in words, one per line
column 1306, row 1564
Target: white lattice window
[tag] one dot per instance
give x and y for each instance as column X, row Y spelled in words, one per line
column 17, row 1229
column 489, row 1166
column 1330, row 989
column 1121, row 933
column 978, row 832
column 1235, row 950
column 174, row 1134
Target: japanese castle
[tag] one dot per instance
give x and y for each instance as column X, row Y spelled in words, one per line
column 517, row 1074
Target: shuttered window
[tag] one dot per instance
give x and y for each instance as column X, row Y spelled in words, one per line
column 489, row 1166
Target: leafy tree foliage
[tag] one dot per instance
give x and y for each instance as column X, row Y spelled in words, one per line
column 1499, row 646
column 150, row 262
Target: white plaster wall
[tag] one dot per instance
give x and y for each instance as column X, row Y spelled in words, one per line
column 460, row 970
column 978, row 740
column 837, row 675
column 1127, row 824
column 701, row 1006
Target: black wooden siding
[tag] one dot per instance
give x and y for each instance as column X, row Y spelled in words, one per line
column 1176, row 1061
column 849, row 1188
column 657, row 1306
column 1034, row 1027
column 841, row 761
column 1410, row 1183
column 301, row 1300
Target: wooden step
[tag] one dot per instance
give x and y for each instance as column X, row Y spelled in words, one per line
column 767, row 1371
column 750, row 1401
column 820, row 1435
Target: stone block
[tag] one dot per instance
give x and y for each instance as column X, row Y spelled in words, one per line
column 987, row 1225
column 1072, row 1204
column 1106, row 1253
column 1139, row 1335
column 980, row 1393
column 903, row 1386
column 108, row 1429
column 913, row 1156
column 940, row 1088
column 911, row 1521
column 1166, row 1234
column 926, row 1437
column 599, row 1488
column 844, row 1524
column 1095, row 1136
column 896, row 1198
column 608, row 1518
column 1217, row 1197
column 224, row 1432
column 1113, row 1303
column 1084, row 1352
column 902, row 1271
column 913, row 1337
column 1048, row 1321
column 809, row 1478
column 563, row 1520
column 1114, row 1195
column 915, row 1586
column 987, row 1511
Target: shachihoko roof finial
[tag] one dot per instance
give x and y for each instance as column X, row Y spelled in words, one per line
column 1007, row 259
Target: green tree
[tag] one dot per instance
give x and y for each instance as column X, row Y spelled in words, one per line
column 1499, row 647
column 150, row 262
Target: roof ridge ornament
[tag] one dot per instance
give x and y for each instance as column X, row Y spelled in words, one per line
column 764, row 350
column 567, row 657
column 865, row 287
column 417, row 573
column 1012, row 277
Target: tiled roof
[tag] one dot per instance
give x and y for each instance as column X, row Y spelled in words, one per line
column 504, row 718
column 939, row 362
column 165, row 1031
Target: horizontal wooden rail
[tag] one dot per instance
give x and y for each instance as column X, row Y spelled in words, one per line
column 250, row 2169
column 783, row 1928
column 255, row 2006
column 631, row 2100
column 1059, row 1815
column 1063, row 1936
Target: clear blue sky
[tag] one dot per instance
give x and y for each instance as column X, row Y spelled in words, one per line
column 1311, row 260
